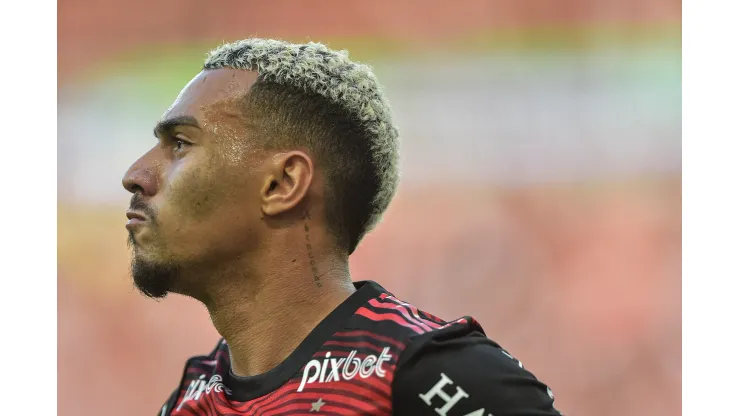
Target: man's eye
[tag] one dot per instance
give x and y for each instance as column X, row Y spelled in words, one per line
column 180, row 145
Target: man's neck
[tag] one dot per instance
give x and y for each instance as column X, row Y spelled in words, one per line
column 264, row 318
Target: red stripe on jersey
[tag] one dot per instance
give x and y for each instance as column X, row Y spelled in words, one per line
column 433, row 318
column 461, row 321
column 349, row 392
column 354, row 344
column 328, row 396
column 211, row 405
column 193, row 408
column 286, row 389
column 378, row 317
column 196, row 370
column 326, row 409
column 414, row 311
column 320, row 355
column 381, row 338
column 383, row 385
column 369, row 389
column 400, row 309
column 378, row 389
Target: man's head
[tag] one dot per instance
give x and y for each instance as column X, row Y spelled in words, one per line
column 267, row 132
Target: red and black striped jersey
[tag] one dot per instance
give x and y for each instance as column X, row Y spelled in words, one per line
column 373, row 355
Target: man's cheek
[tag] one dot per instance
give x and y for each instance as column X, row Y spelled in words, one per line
column 193, row 195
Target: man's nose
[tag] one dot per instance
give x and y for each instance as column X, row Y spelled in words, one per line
column 141, row 177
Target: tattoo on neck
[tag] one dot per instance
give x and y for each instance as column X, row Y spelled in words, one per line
column 311, row 258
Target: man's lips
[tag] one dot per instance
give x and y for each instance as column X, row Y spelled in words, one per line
column 134, row 218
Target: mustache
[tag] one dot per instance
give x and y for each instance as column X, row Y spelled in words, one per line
column 138, row 204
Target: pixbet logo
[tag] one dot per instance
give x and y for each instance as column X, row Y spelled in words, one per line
column 334, row 369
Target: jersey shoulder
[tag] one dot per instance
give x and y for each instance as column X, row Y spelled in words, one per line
column 458, row 370
column 450, row 367
column 404, row 322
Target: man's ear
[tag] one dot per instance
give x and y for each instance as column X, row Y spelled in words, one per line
column 287, row 183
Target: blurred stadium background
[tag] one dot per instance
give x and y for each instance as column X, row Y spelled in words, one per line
column 541, row 186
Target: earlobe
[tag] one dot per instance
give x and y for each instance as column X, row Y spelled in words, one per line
column 287, row 187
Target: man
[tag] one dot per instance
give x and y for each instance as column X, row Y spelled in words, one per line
column 270, row 167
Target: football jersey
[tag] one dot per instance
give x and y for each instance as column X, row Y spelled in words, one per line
column 373, row 355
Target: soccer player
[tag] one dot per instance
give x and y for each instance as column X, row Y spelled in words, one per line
column 269, row 168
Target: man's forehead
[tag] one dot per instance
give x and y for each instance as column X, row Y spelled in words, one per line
column 210, row 88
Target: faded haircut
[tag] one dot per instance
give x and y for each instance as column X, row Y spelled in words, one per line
column 309, row 95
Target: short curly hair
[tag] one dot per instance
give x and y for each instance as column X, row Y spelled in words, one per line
column 309, row 95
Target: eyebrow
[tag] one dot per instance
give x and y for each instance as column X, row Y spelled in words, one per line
column 168, row 124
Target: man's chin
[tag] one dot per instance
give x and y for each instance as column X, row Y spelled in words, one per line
column 153, row 279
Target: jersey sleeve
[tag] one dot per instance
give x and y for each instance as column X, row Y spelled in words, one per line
column 166, row 408
column 448, row 374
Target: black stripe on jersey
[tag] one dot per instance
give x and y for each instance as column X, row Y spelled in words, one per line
column 358, row 345
column 179, row 391
column 319, row 390
column 211, row 400
column 251, row 407
column 366, row 386
column 208, row 405
column 431, row 317
column 194, row 408
column 359, row 383
column 208, row 408
column 303, row 412
column 377, row 343
column 388, row 326
column 271, row 398
column 200, row 368
column 365, row 335
column 412, row 322
column 272, row 407
column 268, row 403
column 203, row 406
column 224, row 404
column 415, row 316
column 322, row 413
column 171, row 402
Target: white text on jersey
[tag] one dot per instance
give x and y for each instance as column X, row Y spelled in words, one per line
column 334, row 369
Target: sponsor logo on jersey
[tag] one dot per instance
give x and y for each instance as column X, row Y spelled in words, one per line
column 199, row 386
column 345, row 368
column 443, row 400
